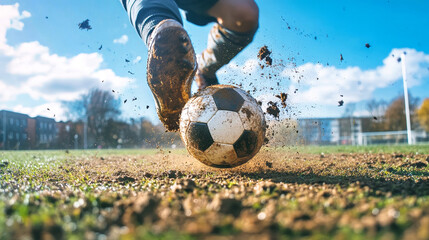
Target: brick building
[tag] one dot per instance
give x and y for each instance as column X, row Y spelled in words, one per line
column 19, row 131
column 13, row 130
column 46, row 132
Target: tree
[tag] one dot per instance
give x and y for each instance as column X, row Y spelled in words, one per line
column 395, row 113
column 377, row 110
column 423, row 114
column 119, row 134
column 66, row 132
column 95, row 107
column 96, row 103
column 101, row 111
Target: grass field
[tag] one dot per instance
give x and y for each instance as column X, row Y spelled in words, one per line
column 377, row 192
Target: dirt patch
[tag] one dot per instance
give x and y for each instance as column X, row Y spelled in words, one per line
column 277, row 192
column 248, row 113
column 418, row 164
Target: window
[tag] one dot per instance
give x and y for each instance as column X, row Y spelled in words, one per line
column 10, row 135
column 17, row 136
column 24, row 136
column 11, row 121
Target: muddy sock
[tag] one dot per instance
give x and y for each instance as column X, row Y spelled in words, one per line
column 222, row 46
column 146, row 14
column 149, row 21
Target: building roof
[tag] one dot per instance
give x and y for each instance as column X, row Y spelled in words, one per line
column 25, row 115
column 14, row 113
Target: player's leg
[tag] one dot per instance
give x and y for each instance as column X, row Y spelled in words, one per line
column 238, row 21
column 171, row 63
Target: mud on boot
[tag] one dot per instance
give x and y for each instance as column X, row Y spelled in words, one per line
column 171, row 67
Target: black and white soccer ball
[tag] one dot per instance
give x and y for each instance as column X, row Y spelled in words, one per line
column 222, row 126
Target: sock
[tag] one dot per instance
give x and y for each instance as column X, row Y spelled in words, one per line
column 148, row 21
column 146, row 14
column 222, row 46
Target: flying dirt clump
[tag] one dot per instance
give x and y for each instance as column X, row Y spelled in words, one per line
column 283, row 97
column 85, row 25
column 264, row 54
column 273, row 110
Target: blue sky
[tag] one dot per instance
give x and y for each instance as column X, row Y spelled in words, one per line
column 45, row 59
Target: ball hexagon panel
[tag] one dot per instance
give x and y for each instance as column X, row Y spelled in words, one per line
column 199, row 136
column 207, row 91
column 246, row 144
column 201, row 109
column 251, row 104
column 252, row 116
column 245, row 95
column 225, row 127
column 221, row 155
column 228, row 99
column 257, row 120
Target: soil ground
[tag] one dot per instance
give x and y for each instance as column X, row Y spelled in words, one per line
column 286, row 193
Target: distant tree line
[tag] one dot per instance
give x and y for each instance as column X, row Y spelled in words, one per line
column 390, row 116
column 98, row 114
column 423, row 114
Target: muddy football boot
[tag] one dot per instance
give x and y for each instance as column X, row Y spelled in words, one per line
column 171, row 67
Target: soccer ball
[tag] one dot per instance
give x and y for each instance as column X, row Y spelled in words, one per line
column 222, row 126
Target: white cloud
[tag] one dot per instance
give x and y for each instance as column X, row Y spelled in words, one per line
column 137, row 60
column 50, row 109
column 250, row 66
column 30, row 69
column 10, row 19
column 315, row 89
column 122, row 40
column 7, row 92
column 323, row 84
